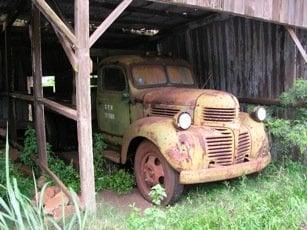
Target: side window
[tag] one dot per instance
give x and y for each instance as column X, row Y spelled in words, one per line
column 113, row 79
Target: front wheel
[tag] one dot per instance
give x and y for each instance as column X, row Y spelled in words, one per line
column 151, row 168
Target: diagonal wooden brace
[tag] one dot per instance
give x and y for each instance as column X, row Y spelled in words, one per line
column 55, row 20
column 70, row 53
column 108, row 21
column 297, row 43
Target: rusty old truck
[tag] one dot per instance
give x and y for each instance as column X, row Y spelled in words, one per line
column 151, row 111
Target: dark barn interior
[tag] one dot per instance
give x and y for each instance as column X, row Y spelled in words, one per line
column 254, row 59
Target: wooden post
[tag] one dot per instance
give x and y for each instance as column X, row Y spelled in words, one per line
column 35, row 35
column 6, row 75
column 12, row 102
column 83, row 103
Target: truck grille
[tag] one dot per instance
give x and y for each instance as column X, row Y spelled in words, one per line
column 220, row 148
column 244, row 146
column 219, row 114
column 167, row 112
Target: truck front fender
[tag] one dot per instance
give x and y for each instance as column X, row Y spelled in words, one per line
column 174, row 145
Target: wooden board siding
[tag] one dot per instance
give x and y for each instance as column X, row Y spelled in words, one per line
column 288, row 12
column 246, row 57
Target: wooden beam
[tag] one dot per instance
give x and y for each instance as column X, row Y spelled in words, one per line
column 70, row 53
column 35, row 35
column 6, row 71
column 268, row 102
column 20, row 96
column 53, row 18
column 142, row 9
column 83, row 103
column 297, row 43
column 68, row 48
column 12, row 104
column 57, row 181
column 108, row 21
column 58, row 108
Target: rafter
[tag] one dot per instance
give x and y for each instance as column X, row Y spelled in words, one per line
column 53, row 18
column 108, row 21
column 143, row 10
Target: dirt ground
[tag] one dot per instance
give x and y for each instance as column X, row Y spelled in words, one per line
column 122, row 202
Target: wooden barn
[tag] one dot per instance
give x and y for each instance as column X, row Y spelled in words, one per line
column 252, row 49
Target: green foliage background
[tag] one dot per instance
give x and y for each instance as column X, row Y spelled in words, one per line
column 291, row 133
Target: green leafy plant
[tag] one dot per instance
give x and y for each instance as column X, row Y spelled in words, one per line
column 120, row 181
column 29, row 151
column 296, row 95
column 66, row 172
column 106, row 176
column 24, row 183
column 19, row 212
column 291, row 133
column 157, row 194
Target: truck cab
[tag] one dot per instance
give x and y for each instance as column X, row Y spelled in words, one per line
column 150, row 111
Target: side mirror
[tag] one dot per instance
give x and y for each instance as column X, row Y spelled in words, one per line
column 125, row 96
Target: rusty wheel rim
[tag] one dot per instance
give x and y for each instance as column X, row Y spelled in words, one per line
column 152, row 171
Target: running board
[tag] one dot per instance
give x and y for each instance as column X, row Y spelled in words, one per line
column 112, row 156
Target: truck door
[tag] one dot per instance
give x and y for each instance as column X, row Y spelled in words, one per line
column 113, row 101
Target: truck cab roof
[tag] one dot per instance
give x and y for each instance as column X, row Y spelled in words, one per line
column 143, row 59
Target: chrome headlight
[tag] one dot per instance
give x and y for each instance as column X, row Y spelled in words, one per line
column 184, row 120
column 259, row 113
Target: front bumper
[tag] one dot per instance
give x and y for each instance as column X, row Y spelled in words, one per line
column 224, row 172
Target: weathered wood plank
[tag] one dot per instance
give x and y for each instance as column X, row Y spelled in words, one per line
column 276, row 10
column 267, row 9
column 270, row 10
column 58, row 181
column 305, row 14
column 239, row 7
column 250, row 7
column 284, row 11
column 299, row 16
column 83, row 103
column 267, row 101
column 35, row 36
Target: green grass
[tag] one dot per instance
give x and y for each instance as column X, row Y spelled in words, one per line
column 273, row 199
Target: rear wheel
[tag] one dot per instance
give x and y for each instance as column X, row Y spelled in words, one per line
column 151, row 168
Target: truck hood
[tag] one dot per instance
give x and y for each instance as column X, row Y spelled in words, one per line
column 182, row 96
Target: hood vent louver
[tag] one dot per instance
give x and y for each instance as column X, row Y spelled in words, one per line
column 219, row 114
column 165, row 112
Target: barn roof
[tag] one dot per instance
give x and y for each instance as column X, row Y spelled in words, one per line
column 143, row 19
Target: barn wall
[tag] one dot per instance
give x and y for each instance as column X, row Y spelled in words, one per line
column 245, row 57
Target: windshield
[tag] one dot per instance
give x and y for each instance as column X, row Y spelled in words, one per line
column 179, row 75
column 153, row 75
column 146, row 75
